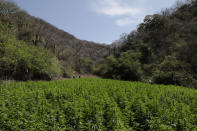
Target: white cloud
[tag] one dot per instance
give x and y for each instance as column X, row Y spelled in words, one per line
column 114, row 8
column 125, row 13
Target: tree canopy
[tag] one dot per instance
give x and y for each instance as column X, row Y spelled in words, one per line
column 167, row 46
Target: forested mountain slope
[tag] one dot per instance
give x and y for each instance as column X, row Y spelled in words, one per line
column 73, row 54
column 163, row 49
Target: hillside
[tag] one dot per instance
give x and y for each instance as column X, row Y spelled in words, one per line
column 96, row 104
column 150, row 67
column 161, row 50
column 73, row 54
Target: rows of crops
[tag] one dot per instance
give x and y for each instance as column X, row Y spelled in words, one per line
column 96, row 104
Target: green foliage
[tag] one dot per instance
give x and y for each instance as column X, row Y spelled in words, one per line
column 74, row 54
column 20, row 61
column 126, row 67
column 86, row 65
column 66, row 69
column 129, row 67
column 96, row 104
column 167, row 46
column 172, row 71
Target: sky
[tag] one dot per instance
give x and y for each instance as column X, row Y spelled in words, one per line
column 100, row 21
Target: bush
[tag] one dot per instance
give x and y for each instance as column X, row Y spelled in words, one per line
column 126, row 67
column 129, row 67
column 66, row 69
column 164, row 78
column 172, row 71
column 94, row 104
column 22, row 62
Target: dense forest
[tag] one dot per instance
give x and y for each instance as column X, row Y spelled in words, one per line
column 162, row 49
column 27, row 43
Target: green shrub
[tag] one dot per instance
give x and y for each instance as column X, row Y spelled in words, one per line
column 126, row 67
column 172, row 71
column 129, row 66
column 96, row 105
column 20, row 61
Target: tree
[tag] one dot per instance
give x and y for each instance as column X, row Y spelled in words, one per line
column 20, row 61
column 129, row 67
column 126, row 67
column 172, row 71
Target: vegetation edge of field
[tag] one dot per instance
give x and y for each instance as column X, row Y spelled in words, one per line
column 96, row 104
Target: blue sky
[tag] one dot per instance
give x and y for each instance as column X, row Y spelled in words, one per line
column 101, row 21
